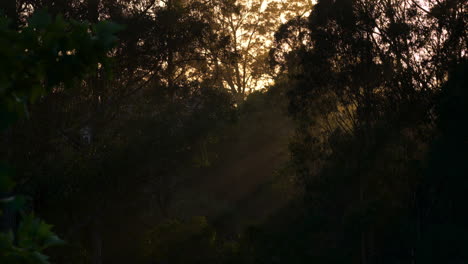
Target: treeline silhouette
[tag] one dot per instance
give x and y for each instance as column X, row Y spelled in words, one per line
column 166, row 151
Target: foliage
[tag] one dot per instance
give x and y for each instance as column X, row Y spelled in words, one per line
column 376, row 91
column 46, row 55
column 32, row 237
column 250, row 35
column 367, row 79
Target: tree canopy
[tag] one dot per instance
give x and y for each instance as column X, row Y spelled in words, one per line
column 238, row 131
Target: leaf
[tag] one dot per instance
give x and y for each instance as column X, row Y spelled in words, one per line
column 53, row 240
column 40, row 258
column 34, row 234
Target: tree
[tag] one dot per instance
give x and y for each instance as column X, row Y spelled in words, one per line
column 441, row 201
column 143, row 128
column 45, row 55
column 365, row 80
column 250, row 26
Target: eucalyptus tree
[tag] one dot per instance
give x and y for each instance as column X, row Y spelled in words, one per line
column 249, row 26
column 365, row 77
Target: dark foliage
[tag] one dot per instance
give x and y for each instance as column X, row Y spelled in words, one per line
column 376, row 91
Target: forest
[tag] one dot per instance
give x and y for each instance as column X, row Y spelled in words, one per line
column 233, row 131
